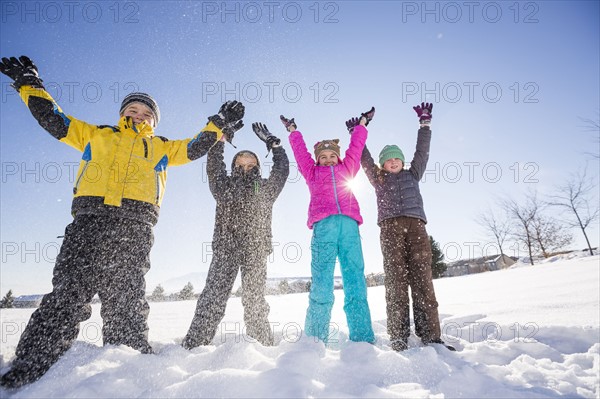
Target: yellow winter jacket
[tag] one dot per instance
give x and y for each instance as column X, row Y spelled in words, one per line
column 120, row 162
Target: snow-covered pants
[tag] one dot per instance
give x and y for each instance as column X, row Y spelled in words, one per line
column 211, row 305
column 108, row 256
column 337, row 236
column 407, row 262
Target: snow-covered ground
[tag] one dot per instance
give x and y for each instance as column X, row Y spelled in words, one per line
column 530, row 331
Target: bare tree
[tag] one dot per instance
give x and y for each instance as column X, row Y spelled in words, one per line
column 524, row 216
column 549, row 235
column 593, row 126
column 576, row 196
column 496, row 227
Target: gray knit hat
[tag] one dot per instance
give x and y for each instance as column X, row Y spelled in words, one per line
column 145, row 99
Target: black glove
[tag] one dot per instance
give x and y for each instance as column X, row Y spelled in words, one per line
column 23, row 71
column 290, row 124
column 368, row 115
column 263, row 133
column 229, row 114
column 351, row 124
column 229, row 119
column 424, row 113
column 230, row 129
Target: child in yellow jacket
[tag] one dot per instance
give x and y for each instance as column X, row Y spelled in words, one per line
column 117, row 197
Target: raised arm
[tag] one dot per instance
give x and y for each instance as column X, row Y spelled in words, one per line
column 281, row 164
column 369, row 166
column 42, row 106
column 358, row 138
column 418, row 164
column 217, row 170
column 223, row 124
column 303, row 158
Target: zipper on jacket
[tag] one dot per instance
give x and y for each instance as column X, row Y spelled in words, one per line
column 157, row 180
column 76, row 187
column 160, row 167
column 87, row 157
column 145, row 147
column 337, row 202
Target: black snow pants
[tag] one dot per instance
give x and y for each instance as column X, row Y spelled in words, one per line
column 210, row 308
column 99, row 254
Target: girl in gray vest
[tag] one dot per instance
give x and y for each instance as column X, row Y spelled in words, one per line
column 404, row 239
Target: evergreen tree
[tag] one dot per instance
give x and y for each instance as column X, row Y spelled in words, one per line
column 438, row 267
column 371, row 281
column 284, row 287
column 8, row 301
column 187, row 292
column 158, row 295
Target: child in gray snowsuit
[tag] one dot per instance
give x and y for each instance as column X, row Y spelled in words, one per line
column 241, row 239
column 106, row 249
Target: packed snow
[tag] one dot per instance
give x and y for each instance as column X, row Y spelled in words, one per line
column 528, row 331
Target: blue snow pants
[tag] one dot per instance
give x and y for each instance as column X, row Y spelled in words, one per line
column 336, row 237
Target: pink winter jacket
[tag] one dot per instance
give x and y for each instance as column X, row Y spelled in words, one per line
column 329, row 191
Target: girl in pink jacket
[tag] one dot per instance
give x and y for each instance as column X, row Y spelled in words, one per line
column 334, row 217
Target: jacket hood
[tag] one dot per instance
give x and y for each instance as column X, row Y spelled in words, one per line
column 251, row 174
column 244, row 152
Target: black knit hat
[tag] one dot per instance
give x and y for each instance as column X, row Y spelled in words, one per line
column 145, row 99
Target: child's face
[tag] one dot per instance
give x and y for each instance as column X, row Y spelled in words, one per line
column 246, row 162
column 327, row 158
column 139, row 113
column 393, row 165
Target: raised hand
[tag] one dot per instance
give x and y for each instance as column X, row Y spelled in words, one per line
column 368, row 116
column 352, row 123
column 424, row 113
column 263, row 133
column 230, row 129
column 23, row 71
column 290, row 124
column 229, row 118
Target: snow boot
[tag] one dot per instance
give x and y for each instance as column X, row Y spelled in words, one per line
column 16, row 379
column 439, row 341
column 399, row 345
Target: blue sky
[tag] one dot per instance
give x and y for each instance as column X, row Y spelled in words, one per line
column 510, row 82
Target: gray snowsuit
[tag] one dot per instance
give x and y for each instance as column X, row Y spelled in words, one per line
column 241, row 242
